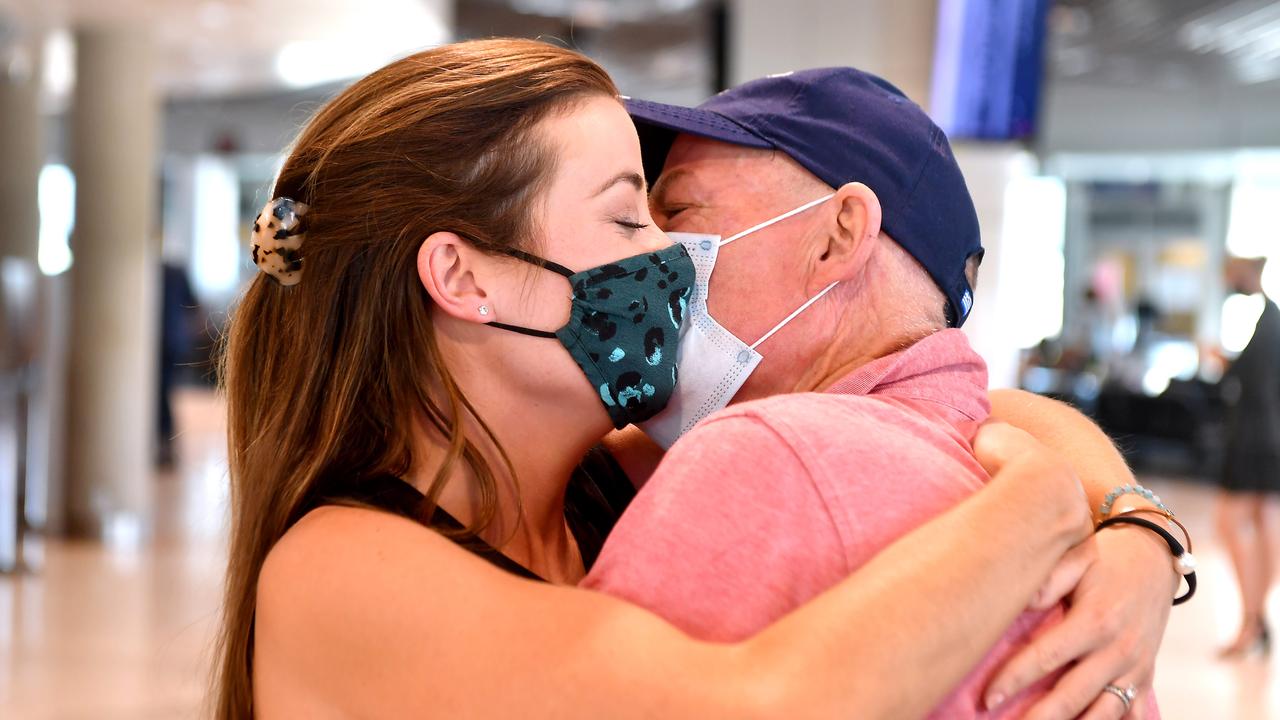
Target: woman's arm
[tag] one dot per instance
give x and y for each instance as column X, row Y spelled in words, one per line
column 1075, row 437
column 375, row 616
column 1120, row 606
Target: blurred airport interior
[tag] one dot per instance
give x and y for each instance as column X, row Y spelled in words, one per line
column 1119, row 151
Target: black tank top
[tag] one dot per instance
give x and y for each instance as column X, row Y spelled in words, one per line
column 597, row 494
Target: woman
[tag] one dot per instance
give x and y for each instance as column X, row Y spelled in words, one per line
column 404, row 426
column 1251, row 472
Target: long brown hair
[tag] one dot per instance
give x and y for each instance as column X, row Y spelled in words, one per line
column 325, row 380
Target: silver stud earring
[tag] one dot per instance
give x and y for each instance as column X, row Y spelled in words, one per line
column 484, row 309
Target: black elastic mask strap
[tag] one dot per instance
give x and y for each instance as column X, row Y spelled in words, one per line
column 523, row 330
column 540, row 262
column 535, row 260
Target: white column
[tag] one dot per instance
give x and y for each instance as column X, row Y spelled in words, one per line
column 1215, row 211
column 989, row 170
column 891, row 39
column 21, row 153
column 113, row 138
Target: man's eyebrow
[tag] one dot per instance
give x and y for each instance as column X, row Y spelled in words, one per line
column 659, row 193
column 628, row 176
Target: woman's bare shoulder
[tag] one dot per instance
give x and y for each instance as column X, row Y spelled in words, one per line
column 339, row 556
column 344, row 590
column 369, row 615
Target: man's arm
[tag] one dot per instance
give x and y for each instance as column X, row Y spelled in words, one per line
column 1120, row 607
column 1067, row 431
column 635, row 453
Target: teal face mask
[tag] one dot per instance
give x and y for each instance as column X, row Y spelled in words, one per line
column 624, row 328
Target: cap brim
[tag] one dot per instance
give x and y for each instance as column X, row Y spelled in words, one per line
column 658, row 124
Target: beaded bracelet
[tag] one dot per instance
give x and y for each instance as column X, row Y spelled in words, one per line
column 1134, row 489
column 1183, row 561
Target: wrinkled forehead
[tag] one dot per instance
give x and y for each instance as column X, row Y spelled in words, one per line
column 701, row 165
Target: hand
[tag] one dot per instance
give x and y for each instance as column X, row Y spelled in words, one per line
column 1066, row 575
column 1041, row 482
column 1120, row 588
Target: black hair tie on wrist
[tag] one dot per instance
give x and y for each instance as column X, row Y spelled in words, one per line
column 1184, row 561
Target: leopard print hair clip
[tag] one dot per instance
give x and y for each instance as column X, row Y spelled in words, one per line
column 278, row 238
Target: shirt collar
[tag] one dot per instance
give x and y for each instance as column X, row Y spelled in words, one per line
column 941, row 368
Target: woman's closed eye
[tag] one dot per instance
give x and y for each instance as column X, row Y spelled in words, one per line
column 630, row 224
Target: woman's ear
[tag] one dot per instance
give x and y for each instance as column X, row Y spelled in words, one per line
column 447, row 268
column 851, row 237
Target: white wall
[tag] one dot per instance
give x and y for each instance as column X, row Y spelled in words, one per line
column 1092, row 118
column 891, row 39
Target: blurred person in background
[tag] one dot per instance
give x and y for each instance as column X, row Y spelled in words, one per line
column 1251, row 470
column 1128, row 369
column 1087, row 339
column 406, row 429
column 180, row 320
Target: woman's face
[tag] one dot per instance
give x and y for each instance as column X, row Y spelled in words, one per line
column 594, row 211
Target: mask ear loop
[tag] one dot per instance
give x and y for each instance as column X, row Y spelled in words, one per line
column 793, row 315
column 540, row 262
column 778, row 219
column 554, row 267
column 523, row 330
column 766, row 224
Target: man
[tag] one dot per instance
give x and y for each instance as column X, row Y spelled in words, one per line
column 767, row 504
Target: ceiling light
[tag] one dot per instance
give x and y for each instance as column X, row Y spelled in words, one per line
column 366, row 43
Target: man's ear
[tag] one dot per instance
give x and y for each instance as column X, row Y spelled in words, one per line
column 447, row 268
column 851, row 237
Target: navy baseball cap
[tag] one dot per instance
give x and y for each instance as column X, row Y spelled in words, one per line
column 844, row 125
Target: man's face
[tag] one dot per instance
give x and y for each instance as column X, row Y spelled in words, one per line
column 713, row 187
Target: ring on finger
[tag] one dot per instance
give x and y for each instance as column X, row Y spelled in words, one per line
column 1126, row 694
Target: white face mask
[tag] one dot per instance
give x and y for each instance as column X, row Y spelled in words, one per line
column 711, row 361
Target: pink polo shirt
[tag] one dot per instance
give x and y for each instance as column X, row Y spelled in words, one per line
column 766, row 504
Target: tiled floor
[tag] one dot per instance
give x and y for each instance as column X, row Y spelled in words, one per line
column 123, row 631
column 1190, row 682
